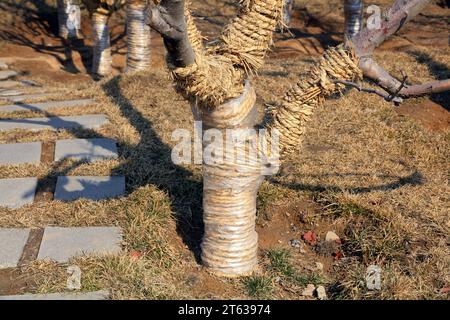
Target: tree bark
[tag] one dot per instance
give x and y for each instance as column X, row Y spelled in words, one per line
column 68, row 19
column 287, row 12
column 138, row 33
column 101, row 62
column 354, row 12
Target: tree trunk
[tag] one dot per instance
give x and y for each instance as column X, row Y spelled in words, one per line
column 287, row 12
column 230, row 242
column 62, row 18
column 68, row 19
column 138, row 32
column 101, row 62
column 354, row 13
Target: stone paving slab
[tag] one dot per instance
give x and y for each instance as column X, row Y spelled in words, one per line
column 90, row 121
column 61, row 244
column 17, row 192
column 12, row 242
column 6, row 93
column 22, row 97
column 89, row 187
column 18, row 153
column 94, row 295
column 10, row 84
column 88, row 149
column 45, row 105
column 6, row 74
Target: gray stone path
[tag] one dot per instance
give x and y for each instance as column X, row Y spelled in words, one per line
column 61, row 244
column 22, row 97
column 89, row 187
column 10, row 84
column 17, row 192
column 95, row 295
column 6, row 93
column 45, row 105
column 12, row 242
column 88, row 149
column 19, row 153
column 90, row 121
column 6, row 74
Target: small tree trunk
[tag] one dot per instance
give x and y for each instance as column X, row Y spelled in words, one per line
column 101, row 62
column 230, row 242
column 138, row 41
column 62, row 18
column 68, row 19
column 354, row 12
column 287, row 12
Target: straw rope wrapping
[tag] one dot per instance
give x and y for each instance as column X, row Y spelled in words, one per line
column 301, row 100
column 219, row 72
column 138, row 37
column 230, row 185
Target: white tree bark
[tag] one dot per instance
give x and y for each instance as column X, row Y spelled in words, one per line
column 354, row 13
column 138, row 37
column 101, row 61
column 68, row 19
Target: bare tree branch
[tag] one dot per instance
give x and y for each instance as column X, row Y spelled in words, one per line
column 168, row 20
column 368, row 39
column 381, row 77
column 399, row 13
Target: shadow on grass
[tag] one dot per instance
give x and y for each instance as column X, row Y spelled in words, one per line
column 439, row 70
column 39, row 21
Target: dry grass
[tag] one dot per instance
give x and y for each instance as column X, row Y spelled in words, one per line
column 379, row 179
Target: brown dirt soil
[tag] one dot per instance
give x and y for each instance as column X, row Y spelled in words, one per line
column 364, row 168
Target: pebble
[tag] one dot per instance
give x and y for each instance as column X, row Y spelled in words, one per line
column 295, row 243
column 309, row 290
column 331, row 236
column 321, row 293
column 319, row 266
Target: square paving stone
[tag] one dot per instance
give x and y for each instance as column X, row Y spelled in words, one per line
column 89, row 187
column 18, row 153
column 94, row 295
column 42, row 106
column 89, row 149
column 6, row 74
column 17, row 192
column 90, row 121
column 12, row 242
column 61, row 244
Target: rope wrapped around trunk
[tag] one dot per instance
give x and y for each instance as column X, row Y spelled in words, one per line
column 219, row 72
column 290, row 117
column 138, row 37
column 230, row 185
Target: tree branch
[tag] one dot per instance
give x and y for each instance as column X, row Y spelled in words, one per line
column 400, row 13
column 169, row 21
column 365, row 42
column 381, row 77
